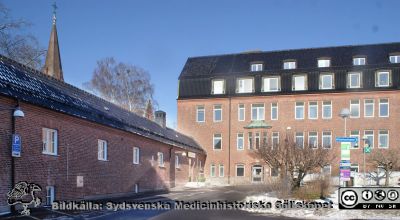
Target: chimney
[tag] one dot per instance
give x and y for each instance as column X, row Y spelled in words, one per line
column 161, row 118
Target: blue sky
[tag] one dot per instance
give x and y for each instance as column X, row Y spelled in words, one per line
column 160, row 35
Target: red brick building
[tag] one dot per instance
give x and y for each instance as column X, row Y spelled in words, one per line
column 78, row 146
column 296, row 92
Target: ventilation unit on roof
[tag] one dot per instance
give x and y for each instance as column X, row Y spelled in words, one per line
column 252, row 51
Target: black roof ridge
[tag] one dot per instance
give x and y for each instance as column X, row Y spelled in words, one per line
column 287, row 50
column 30, row 70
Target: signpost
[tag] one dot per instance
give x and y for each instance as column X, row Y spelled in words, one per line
column 345, row 144
column 16, row 145
column 367, row 150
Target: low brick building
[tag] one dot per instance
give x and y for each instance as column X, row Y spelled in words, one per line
column 298, row 93
column 78, row 146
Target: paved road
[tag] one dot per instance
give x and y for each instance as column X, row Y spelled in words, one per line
column 229, row 193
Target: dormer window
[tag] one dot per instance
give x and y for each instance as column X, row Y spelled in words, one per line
column 394, row 58
column 383, row 78
column 326, row 81
column 271, row 84
column 359, row 61
column 354, row 80
column 287, row 65
column 244, row 85
column 324, row 62
column 256, row 67
column 218, row 86
column 299, row 82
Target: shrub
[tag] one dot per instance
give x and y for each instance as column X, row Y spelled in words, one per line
column 316, row 189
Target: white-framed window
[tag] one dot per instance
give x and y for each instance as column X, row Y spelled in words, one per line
column 257, row 138
column 354, row 108
column 313, row 139
column 313, row 110
column 250, row 140
column 383, row 138
column 271, row 84
column 217, row 113
column 299, row 110
column 326, row 81
column 50, row 195
column 136, row 155
column 275, row 139
column 212, row 170
column 394, row 59
column 383, row 107
column 218, row 87
column 240, row 141
column 326, row 109
column 221, row 170
column 359, row 61
column 245, row 85
column 50, row 141
column 369, row 106
column 369, row 134
column 327, row 139
column 101, row 149
column 240, row 170
column 324, row 62
column 241, row 112
column 217, row 142
column 264, row 139
column 257, row 112
column 299, row 82
column 354, row 80
column 274, row 111
column 355, row 134
column 160, row 157
column 383, row 78
column 177, row 164
column 288, row 65
column 327, row 170
column 299, row 139
column 200, row 114
column 256, row 67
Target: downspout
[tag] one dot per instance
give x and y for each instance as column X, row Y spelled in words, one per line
column 229, row 145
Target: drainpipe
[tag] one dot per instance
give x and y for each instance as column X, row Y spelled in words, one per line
column 229, row 145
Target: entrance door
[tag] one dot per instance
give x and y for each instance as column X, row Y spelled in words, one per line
column 257, row 173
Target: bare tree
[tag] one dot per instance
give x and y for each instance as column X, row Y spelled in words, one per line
column 386, row 160
column 294, row 161
column 123, row 84
column 23, row 48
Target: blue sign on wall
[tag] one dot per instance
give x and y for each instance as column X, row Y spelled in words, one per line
column 16, row 145
column 347, row 139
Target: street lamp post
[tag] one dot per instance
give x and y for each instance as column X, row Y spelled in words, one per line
column 344, row 113
column 367, row 142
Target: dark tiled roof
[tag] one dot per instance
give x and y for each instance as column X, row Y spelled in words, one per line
column 36, row 88
column 236, row 64
column 195, row 78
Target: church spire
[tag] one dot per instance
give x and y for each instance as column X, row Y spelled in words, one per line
column 52, row 66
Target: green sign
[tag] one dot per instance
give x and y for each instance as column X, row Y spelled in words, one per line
column 345, row 150
column 367, row 150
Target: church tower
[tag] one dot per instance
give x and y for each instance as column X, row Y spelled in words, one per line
column 52, row 65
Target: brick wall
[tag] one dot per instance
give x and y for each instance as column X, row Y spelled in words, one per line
column 203, row 132
column 77, row 156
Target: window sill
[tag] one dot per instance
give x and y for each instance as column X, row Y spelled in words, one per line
column 50, row 154
column 136, row 163
column 102, row 160
column 161, row 166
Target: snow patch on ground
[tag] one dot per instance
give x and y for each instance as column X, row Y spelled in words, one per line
column 195, row 184
column 321, row 213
